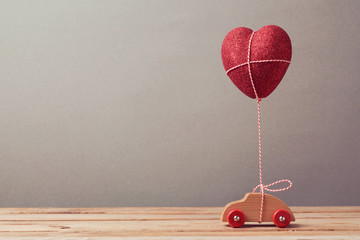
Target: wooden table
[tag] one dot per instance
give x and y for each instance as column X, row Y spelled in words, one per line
column 171, row 223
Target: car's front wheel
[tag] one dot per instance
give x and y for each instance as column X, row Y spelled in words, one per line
column 236, row 218
column 281, row 218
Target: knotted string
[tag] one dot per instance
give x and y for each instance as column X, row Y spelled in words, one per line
column 261, row 186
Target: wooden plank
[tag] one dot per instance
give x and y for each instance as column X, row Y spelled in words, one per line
column 172, row 223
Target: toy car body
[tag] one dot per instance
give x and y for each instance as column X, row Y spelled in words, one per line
column 248, row 209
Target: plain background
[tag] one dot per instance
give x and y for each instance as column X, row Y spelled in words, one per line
column 126, row 103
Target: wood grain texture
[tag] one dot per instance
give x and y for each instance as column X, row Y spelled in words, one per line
column 171, row 223
column 250, row 206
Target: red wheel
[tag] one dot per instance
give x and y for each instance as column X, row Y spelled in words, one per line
column 236, row 218
column 281, row 218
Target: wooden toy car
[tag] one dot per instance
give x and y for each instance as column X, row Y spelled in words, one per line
column 248, row 210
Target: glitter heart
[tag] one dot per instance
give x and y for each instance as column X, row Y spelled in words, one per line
column 263, row 55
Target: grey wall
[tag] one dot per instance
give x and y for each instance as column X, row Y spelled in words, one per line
column 126, row 103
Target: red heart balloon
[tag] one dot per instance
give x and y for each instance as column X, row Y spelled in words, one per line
column 268, row 59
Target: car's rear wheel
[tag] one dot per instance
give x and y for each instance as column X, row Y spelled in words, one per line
column 236, row 218
column 281, row 218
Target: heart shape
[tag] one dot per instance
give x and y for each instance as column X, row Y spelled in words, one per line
column 262, row 56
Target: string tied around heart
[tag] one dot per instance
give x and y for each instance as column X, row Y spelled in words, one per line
column 261, row 186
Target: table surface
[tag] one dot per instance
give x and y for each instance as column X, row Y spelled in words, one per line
column 172, row 223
